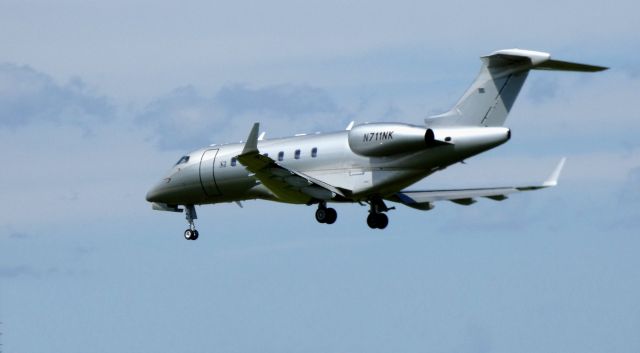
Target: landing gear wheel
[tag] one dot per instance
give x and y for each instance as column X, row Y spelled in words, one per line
column 326, row 215
column 191, row 234
column 331, row 216
column 321, row 215
column 371, row 221
column 382, row 221
column 377, row 220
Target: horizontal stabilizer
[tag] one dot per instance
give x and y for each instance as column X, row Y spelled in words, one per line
column 535, row 60
column 568, row 66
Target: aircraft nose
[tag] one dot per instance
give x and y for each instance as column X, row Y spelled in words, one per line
column 157, row 193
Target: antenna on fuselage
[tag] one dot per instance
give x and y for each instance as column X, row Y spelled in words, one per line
column 350, row 126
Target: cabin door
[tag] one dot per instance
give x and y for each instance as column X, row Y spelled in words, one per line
column 207, row 176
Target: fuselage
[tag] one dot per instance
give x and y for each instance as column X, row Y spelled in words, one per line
column 367, row 163
column 213, row 174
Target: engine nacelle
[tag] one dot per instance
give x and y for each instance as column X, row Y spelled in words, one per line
column 385, row 139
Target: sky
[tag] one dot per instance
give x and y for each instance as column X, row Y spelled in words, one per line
column 98, row 99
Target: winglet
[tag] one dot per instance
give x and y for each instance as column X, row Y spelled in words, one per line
column 251, row 146
column 553, row 178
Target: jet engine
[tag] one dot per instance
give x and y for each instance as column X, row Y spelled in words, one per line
column 375, row 140
column 387, row 139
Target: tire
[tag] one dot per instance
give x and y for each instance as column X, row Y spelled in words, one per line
column 188, row 234
column 195, row 235
column 377, row 220
column 331, row 216
column 371, row 221
column 382, row 221
column 321, row 215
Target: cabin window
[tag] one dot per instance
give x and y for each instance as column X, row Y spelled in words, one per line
column 280, row 156
column 233, row 161
column 297, row 154
column 265, row 154
column 314, row 152
column 183, row 159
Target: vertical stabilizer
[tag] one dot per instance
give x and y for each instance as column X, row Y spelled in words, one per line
column 490, row 98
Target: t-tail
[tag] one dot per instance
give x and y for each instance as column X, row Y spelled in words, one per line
column 490, row 98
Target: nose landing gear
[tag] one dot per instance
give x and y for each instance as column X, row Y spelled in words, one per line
column 190, row 215
column 191, row 234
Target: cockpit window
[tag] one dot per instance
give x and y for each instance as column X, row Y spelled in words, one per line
column 184, row 159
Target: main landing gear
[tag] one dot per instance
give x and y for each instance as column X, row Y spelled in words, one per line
column 191, row 233
column 377, row 219
column 326, row 215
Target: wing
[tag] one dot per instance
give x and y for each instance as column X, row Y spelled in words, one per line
column 423, row 200
column 286, row 184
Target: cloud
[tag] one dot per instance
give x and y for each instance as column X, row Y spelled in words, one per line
column 185, row 118
column 631, row 188
column 181, row 118
column 224, row 41
column 15, row 271
column 9, row 272
column 571, row 105
column 285, row 99
column 476, row 339
column 9, row 232
column 542, row 89
column 28, row 96
column 18, row 235
column 627, row 215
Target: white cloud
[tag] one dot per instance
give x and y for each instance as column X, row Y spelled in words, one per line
column 139, row 49
column 592, row 112
column 17, row 271
column 58, row 176
column 27, row 95
column 288, row 100
column 187, row 119
column 631, row 185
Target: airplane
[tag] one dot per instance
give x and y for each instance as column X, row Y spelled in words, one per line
column 370, row 164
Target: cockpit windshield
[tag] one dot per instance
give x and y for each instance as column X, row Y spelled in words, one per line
column 183, row 159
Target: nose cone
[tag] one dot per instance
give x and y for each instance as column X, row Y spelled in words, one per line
column 157, row 193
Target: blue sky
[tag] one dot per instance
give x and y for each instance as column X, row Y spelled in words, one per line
column 98, row 99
